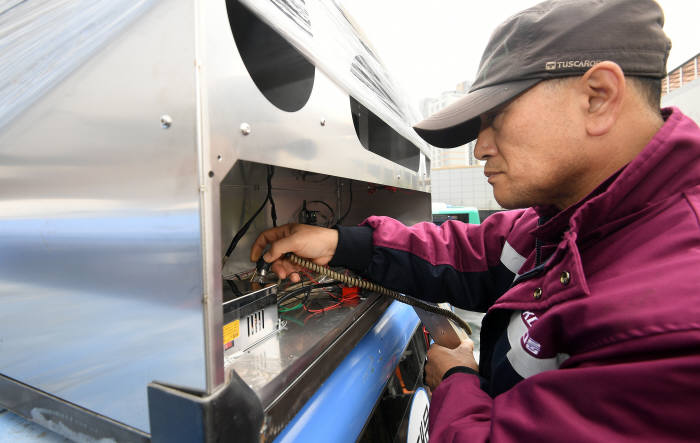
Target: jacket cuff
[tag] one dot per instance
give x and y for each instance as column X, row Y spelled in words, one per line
column 460, row 369
column 354, row 248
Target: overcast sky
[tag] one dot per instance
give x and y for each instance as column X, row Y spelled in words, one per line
column 431, row 45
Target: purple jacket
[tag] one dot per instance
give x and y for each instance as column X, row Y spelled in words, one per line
column 593, row 324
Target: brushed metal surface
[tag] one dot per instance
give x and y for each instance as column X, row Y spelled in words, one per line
column 100, row 248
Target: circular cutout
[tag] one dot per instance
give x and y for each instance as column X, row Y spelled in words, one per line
column 279, row 71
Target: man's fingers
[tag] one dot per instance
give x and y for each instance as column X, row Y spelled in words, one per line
column 265, row 238
column 467, row 345
column 279, row 248
column 285, row 269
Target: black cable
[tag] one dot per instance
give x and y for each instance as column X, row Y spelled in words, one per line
column 241, row 232
column 340, row 220
column 273, row 210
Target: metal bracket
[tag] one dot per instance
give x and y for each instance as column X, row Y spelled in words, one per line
column 232, row 413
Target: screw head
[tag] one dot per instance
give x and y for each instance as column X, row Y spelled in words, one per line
column 166, row 121
column 245, row 129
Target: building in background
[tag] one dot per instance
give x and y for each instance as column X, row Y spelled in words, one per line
column 681, row 89
column 680, row 76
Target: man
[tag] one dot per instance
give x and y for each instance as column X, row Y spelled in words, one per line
column 592, row 293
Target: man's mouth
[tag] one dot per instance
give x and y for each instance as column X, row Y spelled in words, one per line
column 490, row 174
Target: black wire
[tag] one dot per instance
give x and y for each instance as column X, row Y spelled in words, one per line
column 340, row 220
column 273, row 210
column 241, row 232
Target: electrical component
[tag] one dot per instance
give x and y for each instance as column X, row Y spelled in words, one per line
column 261, row 269
column 250, row 312
column 306, row 216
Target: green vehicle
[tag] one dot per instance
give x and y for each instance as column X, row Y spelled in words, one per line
column 443, row 212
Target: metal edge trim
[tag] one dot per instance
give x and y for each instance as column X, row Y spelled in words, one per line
column 62, row 417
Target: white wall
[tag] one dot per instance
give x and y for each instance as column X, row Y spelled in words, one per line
column 466, row 186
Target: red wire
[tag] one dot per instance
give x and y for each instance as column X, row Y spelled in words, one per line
column 340, row 300
column 328, row 308
column 316, row 282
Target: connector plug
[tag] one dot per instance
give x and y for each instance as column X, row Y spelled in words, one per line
column 261, row 269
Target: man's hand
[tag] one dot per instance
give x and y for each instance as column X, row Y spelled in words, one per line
column 441, row 359
column 311, row 242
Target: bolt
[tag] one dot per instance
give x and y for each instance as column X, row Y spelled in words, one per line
column 166, row 121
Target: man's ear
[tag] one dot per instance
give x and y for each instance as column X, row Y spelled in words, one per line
column 604, row 86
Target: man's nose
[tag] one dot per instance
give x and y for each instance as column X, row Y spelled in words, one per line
column 485, row 146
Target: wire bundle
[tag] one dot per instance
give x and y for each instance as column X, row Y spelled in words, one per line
column 306, row 295
column 364, row 284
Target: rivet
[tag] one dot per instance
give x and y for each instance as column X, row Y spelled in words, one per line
column 565, row 278
column 166, row 121
column 537, row 294
column 398, row 177
column 245, row 128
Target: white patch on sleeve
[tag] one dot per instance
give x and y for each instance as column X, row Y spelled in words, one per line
column 511, row 259
column 522, row 361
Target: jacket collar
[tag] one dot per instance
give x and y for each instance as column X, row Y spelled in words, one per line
column 668, row 164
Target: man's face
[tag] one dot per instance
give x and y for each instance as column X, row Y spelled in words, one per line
column 533, row 148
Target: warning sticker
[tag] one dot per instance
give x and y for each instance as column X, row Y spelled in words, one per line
column 231, row 331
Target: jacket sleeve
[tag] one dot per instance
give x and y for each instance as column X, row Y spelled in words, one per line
column 646, row 398
column 455, row 262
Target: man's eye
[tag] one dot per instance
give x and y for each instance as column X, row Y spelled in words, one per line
column 487, row 120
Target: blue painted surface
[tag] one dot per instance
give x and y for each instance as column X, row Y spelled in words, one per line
column 340, row 407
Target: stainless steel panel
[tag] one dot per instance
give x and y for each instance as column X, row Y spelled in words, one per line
column 294, row 140
column 100, row 245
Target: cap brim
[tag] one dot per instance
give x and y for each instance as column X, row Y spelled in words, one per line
column 459, row 122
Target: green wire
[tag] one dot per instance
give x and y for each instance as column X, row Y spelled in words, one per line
column 290, row 309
